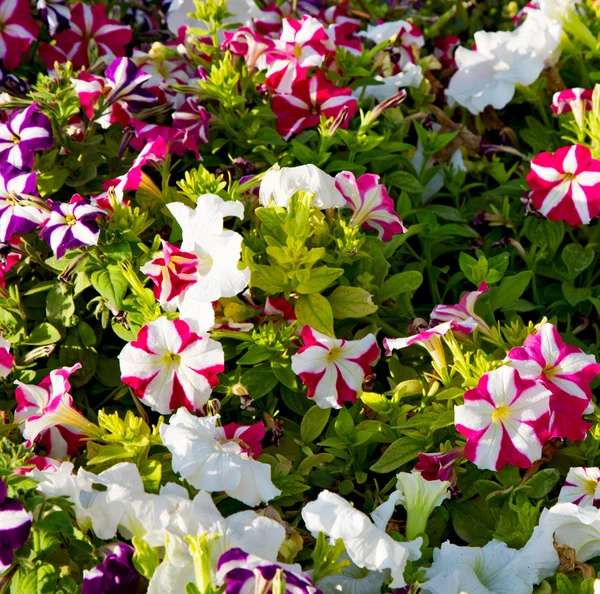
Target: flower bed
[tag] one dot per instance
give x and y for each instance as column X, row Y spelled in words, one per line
column 299, row 296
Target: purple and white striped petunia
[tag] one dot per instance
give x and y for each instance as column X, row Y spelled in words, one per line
column 505, row 420
column 48, row 416
column 193, row 119
column 55, row 12
column 563, row 369
column 581, row 487
column 15, row 526
column 27, row 131
column 18, row 215
column 372, row 207
column 115, row 575
column 6, row 359
column 169, row 366
column 126, row 82
column 242, row 572
column 333, row 370
column 72, row 225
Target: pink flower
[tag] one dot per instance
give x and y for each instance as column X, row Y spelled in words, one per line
column 7, row 261
column 302, row 45
column 566, row 185
column 172, row 272
column 444, row 50
column 504, row 419
column 48, row 414
column 18, row 31
column 371, row 205
column 87, row 24
column 309, row 100
column 281, row 308
column 576, row 100
column 463, row 316
column 246, row 436
column 439, row 466
column 563, row 369
column 581, row 487
column 344, row 35
column 250, row 44
column 193, row 120
column 6, row 359
column 169, row 366
column 333, row 369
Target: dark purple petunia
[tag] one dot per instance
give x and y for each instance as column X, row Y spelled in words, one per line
column 72, row 225
column 27, row 131
column 15, row 525
column 17, row 214
column 127, row 85
column 241, row 572
column 115, row 575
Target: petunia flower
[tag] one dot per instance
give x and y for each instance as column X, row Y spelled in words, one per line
column 563, row 369
column 89, row 28
column 6, row 359
column 26, row 131
column 250, row 44
column 302, row 45
column 505, row 420
column 566, row 185
column 462, row 315
column 308, row 100
column 444, row 48
column 366, row 542
column 404, row 33
column 72, row 225
column 8, row 260
column 56, row 14
column 582, row 487
column 410, row 75
column 18, row 30
column 125, row 83
column 115, row 575
column 372, row 207
column 193, row 119
column 210, row 460
column 15, row 526
column 576, row 100
column 440, row 466
column 333, row 370
column 48, row 416
column 169, row 366
column 242, row 572
column 353, row 580
column 280, row 184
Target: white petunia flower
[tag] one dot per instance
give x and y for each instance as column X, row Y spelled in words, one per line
column 411, row 76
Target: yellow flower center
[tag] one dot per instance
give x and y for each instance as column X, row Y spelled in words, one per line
column 70, row 219
column 549, row 371
column 500, row 413
column 172, row 358
column 569, row 176
column 334, row 354
column 590, row 486
column 297, row 51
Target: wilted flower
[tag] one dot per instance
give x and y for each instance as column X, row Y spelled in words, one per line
column 115, row 575
column 505, row 420
column 372, row 207
column 333, row 369
column 208, row 459
column 15, row 526
column 169, row 366
column 582, row 487
column 566, row 185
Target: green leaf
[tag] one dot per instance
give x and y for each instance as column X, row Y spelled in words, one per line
column 56, row 522
column 145, row 558
column 577, row 259
column 575, row 295
column 351, row 302
column 510, row 289
column 111, row 284
column 474, row 520
column 320, row 278
column 344, row 426
column 314, row 310
column 408, row 182
column 397, row 284
column 43, row 334
column 259, row 381
column 400, row 452
column 39, row 581
column 541, row 483
column 151, row 473
column 255, row 354
column 59, row 304
column 313, row 423
column 565, row 586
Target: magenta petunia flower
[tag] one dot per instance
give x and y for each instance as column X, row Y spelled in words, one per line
column 563, row 369
column 462, row 315
column 566, row 185
column 505, row 420
column 27, row 131
column 372, row 207
column 439, row 466
column 444, row 48
column 192, row 119
column 575, row 100
column 581, row 487
column 18, row 30
column 6, row 359
column 333, row 369
column 56, row 14
column 310, row 99
column 247, row 436
column 250, row 44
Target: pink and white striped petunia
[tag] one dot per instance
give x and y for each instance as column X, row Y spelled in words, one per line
column 27, row 131
column 310, row 99
column 372, row 207
column 575, row 100
column 581, row 487
column 6, row 359
column 444, row 50
column 302, row 45
column 504, row 419
column 566, row 371
column 566, row 185
column 250, row 44
column 48, row 416
column 193, row 120
column 247, row 436
column 332, row 369
column 462, row 315
column 169, row 366
column 172, row 272
column 18, row 30
column 72, row 225
column 15, row 526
